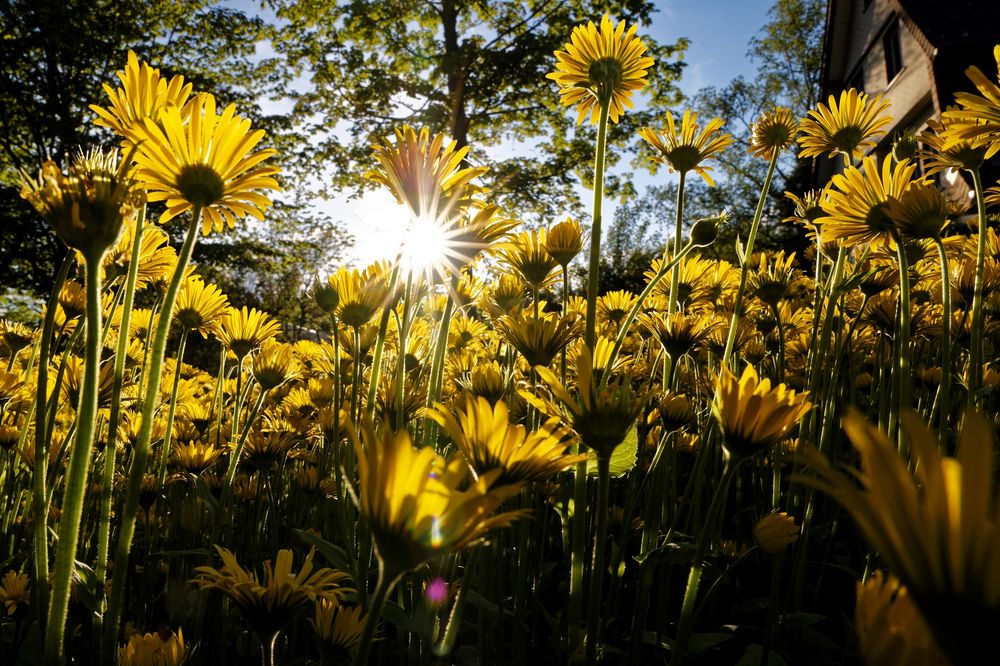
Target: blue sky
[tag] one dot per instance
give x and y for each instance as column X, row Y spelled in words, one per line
column 718, row 30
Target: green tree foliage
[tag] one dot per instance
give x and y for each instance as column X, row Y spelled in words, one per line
column 474, row 69
column 788, row 51
column 54, row 58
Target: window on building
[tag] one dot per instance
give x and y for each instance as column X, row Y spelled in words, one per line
column 893, row 52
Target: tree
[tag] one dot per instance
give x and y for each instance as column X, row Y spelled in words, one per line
column 472, row 68
column 54, row 58
column 788, row 49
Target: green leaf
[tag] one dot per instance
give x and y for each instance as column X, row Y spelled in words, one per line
column 334, row 554
column 701, row 643
column 752, row 657
column 623, row 458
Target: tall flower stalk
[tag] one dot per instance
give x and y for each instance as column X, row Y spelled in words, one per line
column 597, row 72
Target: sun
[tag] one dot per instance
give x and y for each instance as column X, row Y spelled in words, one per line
column 425, row 245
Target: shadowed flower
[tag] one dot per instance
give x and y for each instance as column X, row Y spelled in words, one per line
column 978, row 119
column 412, row 502
column 687, row 149
column 774, row 131
column 194, row 458
column 679, row 333
column 489, row 441
column 891, row 631
column 270, row 605
column 808, row 208
column 601, row 66
column 540, row 338
column 203, row 159
column 752, row 415
column 848, row 128
column 604, row 411
column 338, row 629
column 946, row 149
column 142, row 95
column 274, row 364
column 14, row 593
column 87, row 206
column 775, row 532
column 921, row 211
column 935, row 527
column 526, row 253
column 161, row 648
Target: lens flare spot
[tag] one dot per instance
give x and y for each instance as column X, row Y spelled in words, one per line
column 437, row 591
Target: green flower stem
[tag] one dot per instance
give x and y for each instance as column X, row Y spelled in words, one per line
column 386, row 582
column 430, row 432
column 944, row 391
column 79, row 467
column 731, row 337
column 694, row 577
column 39, row 502
column 637, row 307
column 904, row 378
column 172, row 409
column 597, row 565
column 140, row 454
column 976, row 346
column 774, row 599
column 578, row 547
column 110, row 450
column 404, row 330
column 579, row 521
column 356, row 372
column 675, row 274
column 269, row 649
column 383, row 326
column 593, row 270
column 447, row 641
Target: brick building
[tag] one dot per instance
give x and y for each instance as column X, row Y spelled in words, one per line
column 912, row 52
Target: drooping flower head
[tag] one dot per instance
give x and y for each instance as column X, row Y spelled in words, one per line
column 195, row 157
column 935, row 527
column 487, row 439
column 848, row 128
column 142, row 95
column 86, row 206
column 241, row 331
column 601, row 65
column 413, row 502
column 753, row 416
column 687, row 149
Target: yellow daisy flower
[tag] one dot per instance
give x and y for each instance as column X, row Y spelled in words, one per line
column 242, row 331
column 338, row 629
column 425, row 173
column 856, row 207
column 142, row 95
column 891, row 631
column 203, row 159
column 268, row 606
column 162, row 648
column 978, row 119
column 412, row 502
column 936, row 527
column 563, row 241
column 687, row 149
column 773, row 132
column 752, row 415
column 483, row 433
column 540, row 338
column 849, row 127
column 199, row 306
column 601, row 65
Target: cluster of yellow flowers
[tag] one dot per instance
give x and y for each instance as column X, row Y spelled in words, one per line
column 444, row 406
